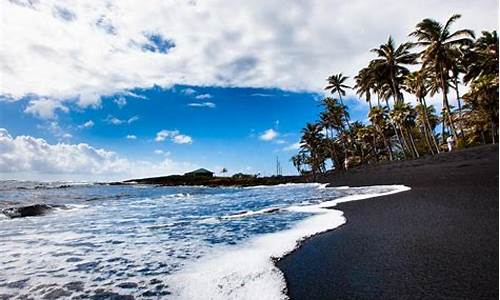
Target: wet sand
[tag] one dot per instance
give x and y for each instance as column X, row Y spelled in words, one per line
column 437, row 241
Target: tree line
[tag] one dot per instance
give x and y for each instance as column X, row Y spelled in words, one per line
column 442, row 61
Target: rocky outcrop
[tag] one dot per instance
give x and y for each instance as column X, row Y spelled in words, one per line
column 29, row 210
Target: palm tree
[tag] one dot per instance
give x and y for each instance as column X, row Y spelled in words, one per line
column 482, row 99
column 403, row 116
column 333, row 118
column 312, row 143
column 365, row 84
column 438, row 55
column 298, row 161
column 482, row 57
column 336, row 84
column 418, row 84
column 391, row 62
column 379, row 116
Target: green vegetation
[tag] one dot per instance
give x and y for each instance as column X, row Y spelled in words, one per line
column 440, row 61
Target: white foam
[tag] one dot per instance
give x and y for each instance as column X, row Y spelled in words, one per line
column 291, row 185
column 247, row 271
column 252, row 213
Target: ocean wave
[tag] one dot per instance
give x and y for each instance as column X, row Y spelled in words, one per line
column 248, row 271
column 248, row 213
column 289, row 185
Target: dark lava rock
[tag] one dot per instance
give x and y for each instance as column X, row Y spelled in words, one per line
column 29, row 210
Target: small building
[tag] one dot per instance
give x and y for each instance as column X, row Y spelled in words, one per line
column 204, row 173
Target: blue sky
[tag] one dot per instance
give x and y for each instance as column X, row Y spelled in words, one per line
column 226, row 125
column 103, row 91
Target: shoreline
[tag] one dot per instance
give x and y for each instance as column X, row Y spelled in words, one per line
column 438, row 240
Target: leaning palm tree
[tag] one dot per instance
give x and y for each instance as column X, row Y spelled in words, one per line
column 379, row 116
column 298, row 161
column 404, row 118
column 312, row 143
column 482, row 57
column 365, row 83
column 391, row 63
column 418, row 84
column 438, row 55
column 482, row 99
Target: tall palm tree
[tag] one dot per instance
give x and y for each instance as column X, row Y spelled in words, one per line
column 312, row 143
column 365, row 83
column 403, row 116
column 336, row 84
column 482, row 99
column 417, row 83
column 379, row 116
column 391, row 63
column 438, row 55
column 482, row 57
column 298, row 161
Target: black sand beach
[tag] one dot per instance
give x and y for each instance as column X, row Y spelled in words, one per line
column 437, row 241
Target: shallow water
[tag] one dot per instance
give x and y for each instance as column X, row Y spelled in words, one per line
column 153, row 242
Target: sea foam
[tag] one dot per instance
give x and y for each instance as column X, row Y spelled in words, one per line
column 248, row 271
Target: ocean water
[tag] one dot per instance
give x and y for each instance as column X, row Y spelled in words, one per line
column 154, row 242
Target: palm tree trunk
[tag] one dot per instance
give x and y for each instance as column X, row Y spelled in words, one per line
column 386, row 142
column 395, row 90
column 493, row 132
column 431, row 132
column 425, row 133
column 335, row 155
column 460, row 125
column 447, row 105
column 412, row 141
column 405, row 143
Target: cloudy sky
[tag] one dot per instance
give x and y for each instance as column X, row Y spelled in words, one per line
column 100, row 90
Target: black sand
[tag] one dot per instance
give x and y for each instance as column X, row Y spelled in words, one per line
column 437, row 241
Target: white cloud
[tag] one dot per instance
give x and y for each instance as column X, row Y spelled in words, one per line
column 174, row 135
column 88, row 124
column 261, row 95
column 269, row 135
column 202, row 104
column 56, row 130
column 203, row 96
column 79, row 51
column 161, row 152
column 115, row 121
column 131, row 137
column 132, row 119
column 45, row 108
column 120, row 101
column 292, row 147
column 188, row 91
column 27, row 157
